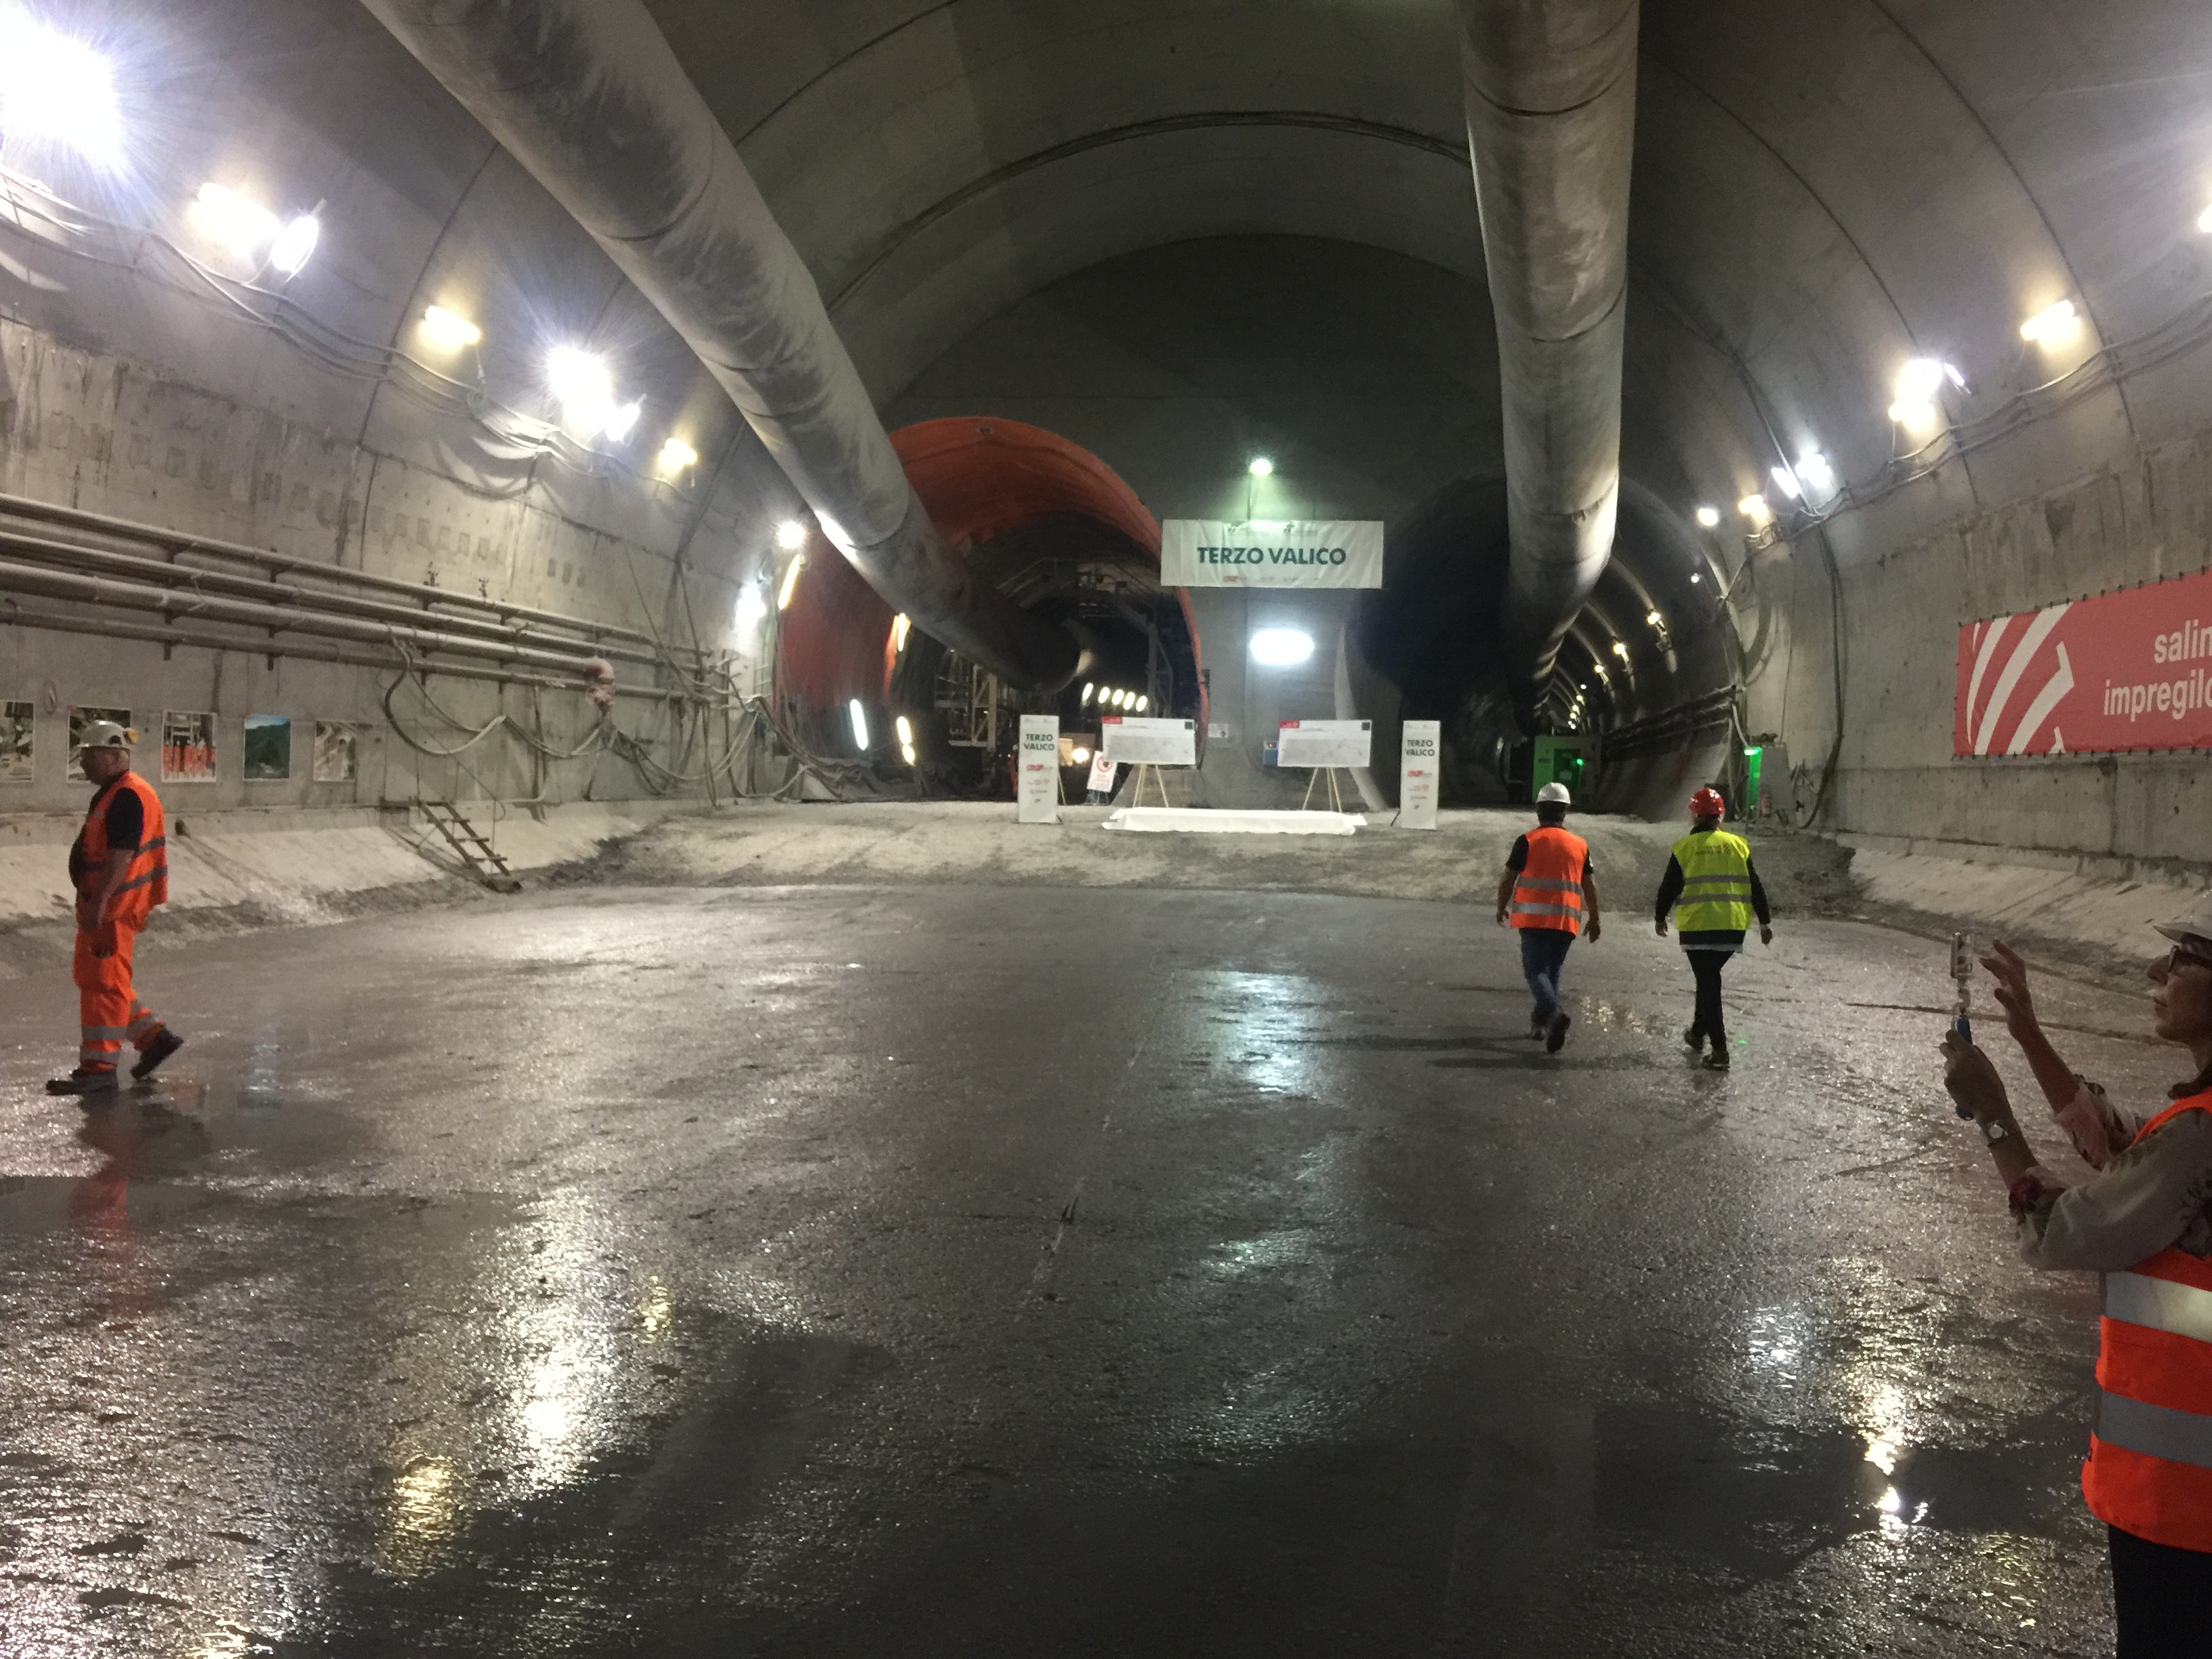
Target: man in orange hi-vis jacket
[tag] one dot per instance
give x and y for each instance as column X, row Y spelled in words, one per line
column 119, row 866
column 1549, row 896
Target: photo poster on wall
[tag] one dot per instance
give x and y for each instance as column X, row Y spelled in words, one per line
column 336, row 751
column 268, row 748
column 79, row 718
column 187, row 748
column 15, row 751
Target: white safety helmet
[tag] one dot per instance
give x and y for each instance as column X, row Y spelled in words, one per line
column 1554, row 794
column 106, row 734
column 2193, row 928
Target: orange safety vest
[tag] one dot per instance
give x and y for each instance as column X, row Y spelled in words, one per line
column 147, row 882
column 2149, row 1471
column 1548, row 891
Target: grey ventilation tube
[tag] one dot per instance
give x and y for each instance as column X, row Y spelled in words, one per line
column 587, row 95
column 1551, row 118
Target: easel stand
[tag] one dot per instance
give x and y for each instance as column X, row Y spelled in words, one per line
column 1335, row 797
column 1158, row 783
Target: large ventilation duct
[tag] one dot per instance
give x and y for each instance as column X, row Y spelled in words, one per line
column 587, row 95
column 1551, row 111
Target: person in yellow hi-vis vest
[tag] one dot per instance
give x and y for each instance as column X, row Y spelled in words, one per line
column 1714, row 893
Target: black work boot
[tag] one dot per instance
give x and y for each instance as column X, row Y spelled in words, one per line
column 1555, row 1034
column 82, row 1082
column 165, row 1043
column 1695, row 1038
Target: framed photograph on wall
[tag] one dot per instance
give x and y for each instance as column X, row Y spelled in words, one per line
column 16, row 744
column 336, row 751
column 268, row 748
column 81, row 718
column 187, row 748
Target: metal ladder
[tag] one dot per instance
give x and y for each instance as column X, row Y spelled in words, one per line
column 476, row 854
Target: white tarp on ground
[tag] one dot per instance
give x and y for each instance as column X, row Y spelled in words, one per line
column 1207, row 820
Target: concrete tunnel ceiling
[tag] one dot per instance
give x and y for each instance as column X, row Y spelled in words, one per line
column 1821, row 192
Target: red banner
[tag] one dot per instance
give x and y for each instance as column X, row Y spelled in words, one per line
column 2123, row 670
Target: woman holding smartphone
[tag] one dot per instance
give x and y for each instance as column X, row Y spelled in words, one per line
column 2145, row 1224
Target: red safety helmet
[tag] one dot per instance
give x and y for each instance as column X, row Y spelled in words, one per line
column 1707, row 804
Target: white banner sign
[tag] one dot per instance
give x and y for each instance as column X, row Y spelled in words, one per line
column 1149, row 742
column 1420, row 752
column 1037, row 785
column 1271, row 553
column 1102, row 774
column 1324, row 742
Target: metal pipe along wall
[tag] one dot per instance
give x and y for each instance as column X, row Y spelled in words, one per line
column 1551, row 115
column 588, row 96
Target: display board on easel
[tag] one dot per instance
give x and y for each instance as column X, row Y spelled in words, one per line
column 1148, row 745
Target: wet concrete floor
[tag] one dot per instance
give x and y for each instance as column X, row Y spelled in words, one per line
column 963, row 1271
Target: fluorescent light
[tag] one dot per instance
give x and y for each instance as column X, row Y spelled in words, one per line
column 1653, row 618
column 906, row 754
column 2052, row 323
column 1620, row 650
column 1120, row 699
column 1087, row 689
column 449, row 330
column 2204, row 222
column 790, row 580
column 860, row 723
column 1755, row 507
column 901, row 624
column 235, row 220
column 1281, row 647
column 1695, row 577
column 791, row 535
column 905, row 731
column 1143, row 703
column 620, row 422
column 676, row 455
column 1260, row 467
column 1818, row 476
column 1709, row 516
column 55, row 88
column 1918, row 384
column 583, row 387
column 295, row 244
column 1786, row 481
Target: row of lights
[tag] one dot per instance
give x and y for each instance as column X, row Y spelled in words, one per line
column 1109, row 698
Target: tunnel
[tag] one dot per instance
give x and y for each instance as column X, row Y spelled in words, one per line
column 1035, row 825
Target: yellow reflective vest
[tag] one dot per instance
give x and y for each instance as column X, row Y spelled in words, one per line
column 1716, row 883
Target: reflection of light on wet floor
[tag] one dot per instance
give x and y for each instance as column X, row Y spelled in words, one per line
column 1776, row 1341
column 1269, row 1250
column 1265, row 1022
column 656, row 1312
column 424, row 1515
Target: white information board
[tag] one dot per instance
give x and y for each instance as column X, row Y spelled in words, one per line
column 1324, row 742
column 1036, row 785
column 1102, row 774
column 1272, row 553
column 1420, row 752
column 1149, row 742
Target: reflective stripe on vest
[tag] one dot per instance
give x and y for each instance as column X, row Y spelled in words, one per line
column 1547, row 891
column 1716, row 894
column 146, row 883
column 2149, row 1471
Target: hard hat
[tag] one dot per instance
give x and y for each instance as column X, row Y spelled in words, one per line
column 106, row 734
column 1707, row 804
column 2194, row 927
column 1554, row 794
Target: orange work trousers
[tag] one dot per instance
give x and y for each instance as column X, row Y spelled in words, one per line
column 107, row 1007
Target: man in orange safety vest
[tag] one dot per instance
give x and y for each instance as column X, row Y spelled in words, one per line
column 1547, row 895
column 119, row 866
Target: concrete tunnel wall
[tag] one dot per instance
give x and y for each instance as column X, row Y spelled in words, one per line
column 1821, row 192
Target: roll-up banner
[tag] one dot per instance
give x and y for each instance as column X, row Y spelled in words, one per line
column 1324, row 742
column 1148, row 741
column 1037, row 785
column 2131, row 670
column 1420, row 752
column 1271, row 553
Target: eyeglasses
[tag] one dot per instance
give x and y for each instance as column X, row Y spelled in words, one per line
column 2180, row 957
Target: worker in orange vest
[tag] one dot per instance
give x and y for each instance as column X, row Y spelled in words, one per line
column 1547, row 894
column 2145, row 1225
column 119, row 866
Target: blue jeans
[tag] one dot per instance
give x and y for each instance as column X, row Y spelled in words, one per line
column 1543, row 954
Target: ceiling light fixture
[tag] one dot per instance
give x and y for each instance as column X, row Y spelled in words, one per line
column 676, row 455
column 790, row 581
column 2053, row 324
column 791, row 535
column 901, row 624
column 1755, row 507
column 449, row 330
column 620, row 422
column 1260, row 467
column 1709, row 516
column 860, row 724
column 295, row 244
column 1816, row 474
column 56, row 89
column 234, row 219
column 1919, row 384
